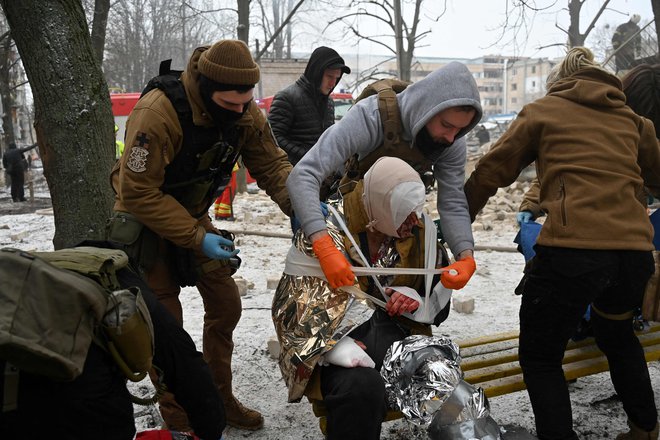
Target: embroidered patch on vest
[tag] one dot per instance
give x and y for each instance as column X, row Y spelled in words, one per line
column 142, row 140
column 137, row 159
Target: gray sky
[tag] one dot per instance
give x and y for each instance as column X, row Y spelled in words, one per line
column 469, row 28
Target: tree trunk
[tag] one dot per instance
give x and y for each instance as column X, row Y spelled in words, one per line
column 101, row 10
column 655, row 4
column 244, row 35
column 398, row 41
column 574, row 37
column 6, row 90
column 73, row 118
column 243, row 31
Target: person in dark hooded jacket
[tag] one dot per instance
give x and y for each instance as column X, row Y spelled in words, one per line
column 16, row 165
column 301, row 112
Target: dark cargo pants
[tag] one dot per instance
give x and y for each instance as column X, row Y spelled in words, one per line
column 558, row 286
column 222, row 307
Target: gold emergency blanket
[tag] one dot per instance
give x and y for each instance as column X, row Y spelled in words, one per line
column 310, row 319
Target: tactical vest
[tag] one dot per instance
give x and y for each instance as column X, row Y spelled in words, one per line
column 202, row 168
column 393, row 145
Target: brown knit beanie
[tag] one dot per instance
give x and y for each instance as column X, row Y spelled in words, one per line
column 229, row 62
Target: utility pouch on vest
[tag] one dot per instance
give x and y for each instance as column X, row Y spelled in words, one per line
column 139, row 242
column 129, row 332
column 210, row 176
column 351, row 177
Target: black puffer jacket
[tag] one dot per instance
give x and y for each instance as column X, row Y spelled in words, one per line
column 299, row 114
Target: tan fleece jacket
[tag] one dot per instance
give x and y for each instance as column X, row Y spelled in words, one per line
column 593, row 155
column 154, row 128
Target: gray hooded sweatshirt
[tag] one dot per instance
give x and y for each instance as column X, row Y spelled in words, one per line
column 360, row 132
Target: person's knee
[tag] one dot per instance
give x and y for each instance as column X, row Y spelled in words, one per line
column 222, row 302
column 613, row 335
column 364, row 386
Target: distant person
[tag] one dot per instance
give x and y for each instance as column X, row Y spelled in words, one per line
column 482, row 134
column 301, row 112
column 16, row 165
column 595, row 246
column 627, row 50
column 304, row 110
column 223, row 207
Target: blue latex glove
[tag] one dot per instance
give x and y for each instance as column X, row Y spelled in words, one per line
column 524, row 217
column 295, row 224
column 324, row 209
column 217, row 247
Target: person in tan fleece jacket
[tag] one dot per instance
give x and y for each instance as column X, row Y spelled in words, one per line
column 182, row 142
column 593, row 156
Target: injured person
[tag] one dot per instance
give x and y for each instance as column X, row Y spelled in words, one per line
column 333, row 341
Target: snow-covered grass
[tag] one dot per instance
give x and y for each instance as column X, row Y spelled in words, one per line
column 257, row 379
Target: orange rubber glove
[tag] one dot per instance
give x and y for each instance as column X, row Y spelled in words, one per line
column 465, row 269
column 334, row 264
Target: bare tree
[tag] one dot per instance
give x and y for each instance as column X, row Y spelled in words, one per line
column 8, row 61
column 575, row 37
column 72, row 113
column 655, row 4
column 280, row 9
column 261, row 51
column 404, row 33
column 518, row 16
column 243, row 28
column 99, row 23
column 142, row 33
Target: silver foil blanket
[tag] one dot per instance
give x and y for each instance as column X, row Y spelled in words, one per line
column 310, row 319
column 423, row 378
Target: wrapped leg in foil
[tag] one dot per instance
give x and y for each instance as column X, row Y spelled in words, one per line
column 424, row 380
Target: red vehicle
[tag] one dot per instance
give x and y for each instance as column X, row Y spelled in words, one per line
column 343, row 101
column 122, row 105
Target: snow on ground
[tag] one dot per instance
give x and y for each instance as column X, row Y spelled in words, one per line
column 257, row 381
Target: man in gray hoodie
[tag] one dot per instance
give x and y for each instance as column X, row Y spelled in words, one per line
column 436, row 113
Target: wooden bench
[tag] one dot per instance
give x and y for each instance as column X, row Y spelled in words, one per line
column 491, row 362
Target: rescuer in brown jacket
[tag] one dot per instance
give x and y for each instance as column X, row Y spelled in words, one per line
column 593, row 156
column 182, row 140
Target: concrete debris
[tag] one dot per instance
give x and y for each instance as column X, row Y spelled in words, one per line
column 272, row 282
column 463, row 303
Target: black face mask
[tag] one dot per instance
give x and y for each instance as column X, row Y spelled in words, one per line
column 222, row 117
column 429, row 148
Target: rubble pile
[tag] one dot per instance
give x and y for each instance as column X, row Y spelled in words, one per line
column 501, row 209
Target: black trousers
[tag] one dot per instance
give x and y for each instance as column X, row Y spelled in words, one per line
column 558, row 286
column 355, row 397
column 17, row 184
column 355, row 401
column 94, row 405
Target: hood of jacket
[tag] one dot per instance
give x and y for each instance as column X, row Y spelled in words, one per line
column 590, row 87
column 322, row 58
column 450, row 86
